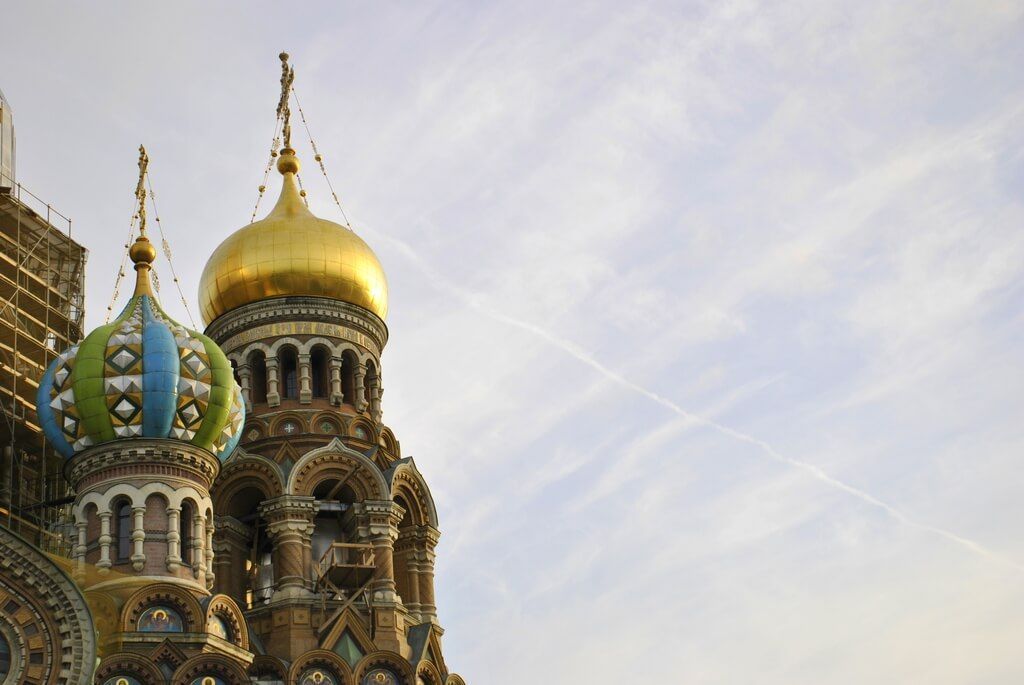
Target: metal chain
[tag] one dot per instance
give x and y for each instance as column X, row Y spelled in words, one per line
column 270, row 163
column 302, row 191
column 124, row 262
column 319, row 158
column 167, row 253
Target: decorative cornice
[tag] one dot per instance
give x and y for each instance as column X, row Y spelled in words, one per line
column 297, row 308
column 134, row 457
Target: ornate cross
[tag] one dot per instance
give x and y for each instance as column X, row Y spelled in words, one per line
column 283, row 111
column 140, row 189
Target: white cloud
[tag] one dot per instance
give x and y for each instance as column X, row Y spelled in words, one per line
column 802, row 219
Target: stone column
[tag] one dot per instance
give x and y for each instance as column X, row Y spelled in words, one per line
column 173, row 539
column 208, row 555
column 305, row 382
column 336, row 394
column 273, row 382
column 105, row 539
column 360, row 387
column 231, row 542
column 198, row 538
column 376, row 390
column 245, row 382
column 290, row 526
column 138, row 537
column 80, row 551
column 412, row 579
column 428, row 608
column 379, row 525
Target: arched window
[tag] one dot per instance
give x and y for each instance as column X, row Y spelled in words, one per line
column 185, row 531
column 258, row 366
column 320, row 362
column 348, row 377
column 234, row 371
column 123, row 529
column 289, row 373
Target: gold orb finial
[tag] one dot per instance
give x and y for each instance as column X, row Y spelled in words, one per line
column 142, row 251
column 287, row 162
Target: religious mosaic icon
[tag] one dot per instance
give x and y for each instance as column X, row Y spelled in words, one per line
column 160, row 619
column 316, row 676
column 380, row 676
column 217, row 626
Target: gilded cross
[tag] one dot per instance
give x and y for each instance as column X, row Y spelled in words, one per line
column 283, row 111
column 140, row 189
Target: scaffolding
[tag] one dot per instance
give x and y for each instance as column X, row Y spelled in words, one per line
column 42, row 286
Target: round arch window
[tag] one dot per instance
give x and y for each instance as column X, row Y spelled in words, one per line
column 122, row 680
column 380, row 676
column 208, row 680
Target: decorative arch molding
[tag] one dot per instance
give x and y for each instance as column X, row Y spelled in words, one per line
column 276, row 346
column 405, row 479
column 389, row 660
column 335, row 460
column 390, row 441
column 138, row 496
column 217, row 665
column 297, row 417
column 40, row 588
column 323, row 659
column 243, row 355
column 253, row 423
column 429, row 673
column 14, row 635
column 335, row 346
column 331, row 416
column 143, row 669
column 265, row 665
column 244, row 470
column 454, row 679
column 360, row 422
column 165, row 594
column 227, row 610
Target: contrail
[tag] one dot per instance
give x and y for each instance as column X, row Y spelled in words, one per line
column 476, row 302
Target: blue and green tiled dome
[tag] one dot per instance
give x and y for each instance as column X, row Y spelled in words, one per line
column 142, row 375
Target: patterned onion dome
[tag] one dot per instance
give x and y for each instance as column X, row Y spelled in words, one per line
column 142, row 375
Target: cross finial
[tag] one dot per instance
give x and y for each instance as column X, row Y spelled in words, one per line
column 142, row 251
column 140, row 189
column 283, row 111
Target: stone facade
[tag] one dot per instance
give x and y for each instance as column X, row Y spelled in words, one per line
column 324, row 534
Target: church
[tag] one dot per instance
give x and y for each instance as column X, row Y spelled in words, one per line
column 241, row 512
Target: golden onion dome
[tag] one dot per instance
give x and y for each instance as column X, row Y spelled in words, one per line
column 292, row 252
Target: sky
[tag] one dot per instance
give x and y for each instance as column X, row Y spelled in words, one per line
column 705, row 316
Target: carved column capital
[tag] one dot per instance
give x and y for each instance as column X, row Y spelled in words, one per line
column 290, row 524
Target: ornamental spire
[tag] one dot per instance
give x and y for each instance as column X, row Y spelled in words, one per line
column 283, row 110
column 142, row 251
